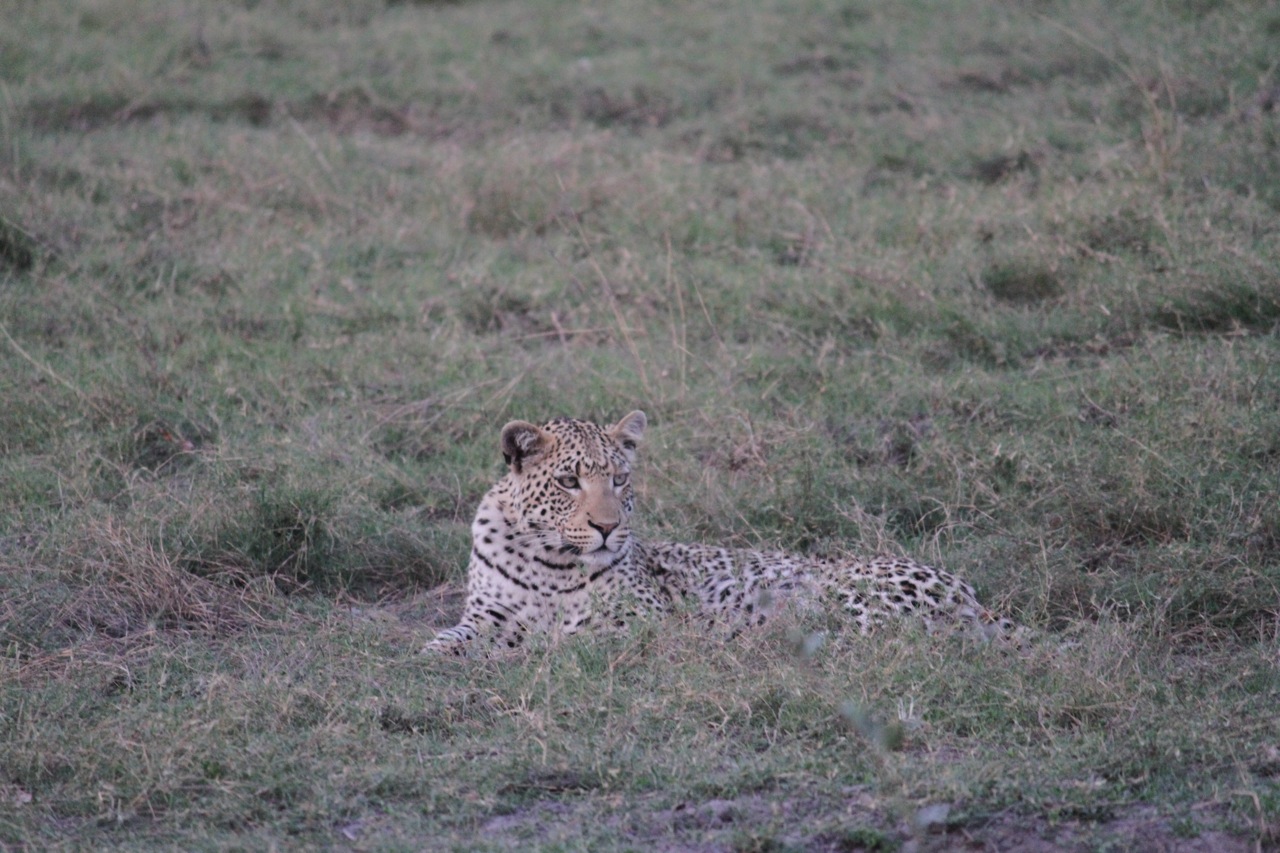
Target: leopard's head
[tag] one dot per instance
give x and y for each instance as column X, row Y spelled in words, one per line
column 572, row 482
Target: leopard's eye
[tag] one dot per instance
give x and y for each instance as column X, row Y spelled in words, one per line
column 568, row 481
column 620, row 480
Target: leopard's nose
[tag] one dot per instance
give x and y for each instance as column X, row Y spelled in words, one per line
column 605, row 529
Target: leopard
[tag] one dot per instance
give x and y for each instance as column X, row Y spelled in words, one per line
column 553, row 553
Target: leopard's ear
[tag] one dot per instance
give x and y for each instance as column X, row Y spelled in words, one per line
column 522, row 441
column 629, row 431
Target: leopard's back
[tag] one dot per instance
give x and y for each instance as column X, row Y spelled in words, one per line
column 747, row 586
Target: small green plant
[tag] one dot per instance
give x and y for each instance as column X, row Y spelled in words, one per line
column 865, row 839
column 17, row 248
column 1022, row 281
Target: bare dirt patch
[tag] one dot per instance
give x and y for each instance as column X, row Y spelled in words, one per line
column 854, row 821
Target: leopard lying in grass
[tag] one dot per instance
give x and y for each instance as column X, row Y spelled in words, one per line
column 553, row 552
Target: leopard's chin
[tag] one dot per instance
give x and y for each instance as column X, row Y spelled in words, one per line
column 602, row 556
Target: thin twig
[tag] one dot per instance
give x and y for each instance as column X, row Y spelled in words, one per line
column 44, row 368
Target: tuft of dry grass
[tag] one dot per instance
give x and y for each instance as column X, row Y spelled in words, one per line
column 115, row 596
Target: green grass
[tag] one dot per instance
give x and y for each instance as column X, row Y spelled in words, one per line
column 994, row 285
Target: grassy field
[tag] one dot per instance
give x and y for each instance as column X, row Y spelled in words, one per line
column 996, row 285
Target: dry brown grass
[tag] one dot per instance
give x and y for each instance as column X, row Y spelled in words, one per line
column 118, row 595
